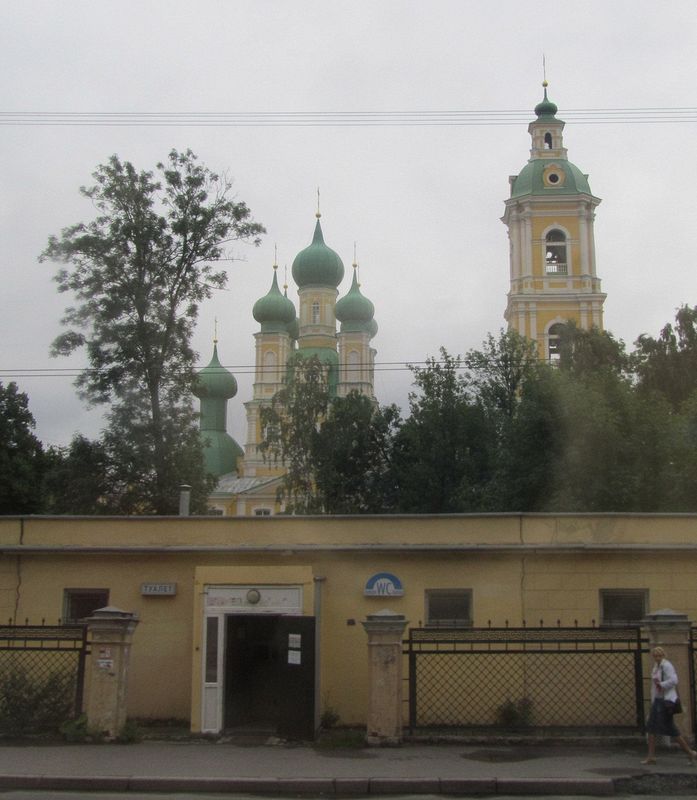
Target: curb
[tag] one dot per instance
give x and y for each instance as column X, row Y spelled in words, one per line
column 332, row 787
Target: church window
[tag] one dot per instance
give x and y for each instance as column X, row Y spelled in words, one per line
column 262, row 512
column 548, row 140
column 449, row 608
column 315, row 313
column 553, row 342
column 623, row 606
column 555, row 253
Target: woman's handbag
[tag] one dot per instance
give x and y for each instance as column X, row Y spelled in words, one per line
column 673, row 706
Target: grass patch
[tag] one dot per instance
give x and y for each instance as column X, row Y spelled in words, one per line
column 341, row 738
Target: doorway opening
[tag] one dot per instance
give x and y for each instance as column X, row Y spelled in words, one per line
column 269, row 675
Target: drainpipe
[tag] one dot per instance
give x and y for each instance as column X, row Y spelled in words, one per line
column 184, row 500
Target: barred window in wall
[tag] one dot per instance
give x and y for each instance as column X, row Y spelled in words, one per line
column 448, row 608
column 81, row 603
column 262, row 512
column 315, row 313
column 623, row 606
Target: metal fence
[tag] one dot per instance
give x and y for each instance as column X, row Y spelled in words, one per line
column 46, row 656
column 517, row 678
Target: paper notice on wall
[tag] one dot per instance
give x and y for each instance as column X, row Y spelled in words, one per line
column 294, row 657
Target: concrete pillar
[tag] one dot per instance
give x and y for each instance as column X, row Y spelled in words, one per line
column 110, row 631
column 385, row 631
column 671, row 630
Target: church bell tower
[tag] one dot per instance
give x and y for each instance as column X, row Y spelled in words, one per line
column 549, row 215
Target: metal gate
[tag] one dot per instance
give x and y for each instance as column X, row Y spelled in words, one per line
column 525, row 678
column 51, row 657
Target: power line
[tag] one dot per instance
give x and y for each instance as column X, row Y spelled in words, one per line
column 640, row 115
column 239, row 369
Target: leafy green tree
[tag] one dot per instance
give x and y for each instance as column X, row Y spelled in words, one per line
column 499, row 370
column 21, row 454
column 78, row 479
column 440, row 451
column 525, row 452
column 353, row 454
column 668, row 364
column 583, row 352
column 139, row 272
column 291, row 425
column 595, row 468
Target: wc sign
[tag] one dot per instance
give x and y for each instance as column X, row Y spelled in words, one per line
column 383, row 584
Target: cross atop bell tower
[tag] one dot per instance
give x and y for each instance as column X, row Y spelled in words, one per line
column 549, row 215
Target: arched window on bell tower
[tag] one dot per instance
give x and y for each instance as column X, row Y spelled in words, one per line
column 548, row 140
column 553, row 342
column 315, row 313
column 555, row 253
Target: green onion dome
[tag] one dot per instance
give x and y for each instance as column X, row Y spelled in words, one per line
column 293, row 329
column 546, row 108
column 317, row 265
column 214, row 381
column 354, row 310
column 372, row 328
column 274, row 311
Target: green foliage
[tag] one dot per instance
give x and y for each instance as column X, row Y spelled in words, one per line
column 352, row 456
column 668, row 365
column 130, row 733
column 291, row 424
column 139, row 272
column 501, row 431
column 329, row 718
column 75, row 731
column 341, row 739
column 499, row 370
column 30, row 705
column 21, row 454
column 79, row 479
column 515, row 714
column 440, row 451
column 585, row 352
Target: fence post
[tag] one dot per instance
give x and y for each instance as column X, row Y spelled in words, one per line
column 671, row 630
column 110, row 632
column 385, row 630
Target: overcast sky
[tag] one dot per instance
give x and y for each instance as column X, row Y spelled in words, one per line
column 422, row 202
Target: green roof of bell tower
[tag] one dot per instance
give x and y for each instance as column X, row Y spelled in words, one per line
column 549, row 172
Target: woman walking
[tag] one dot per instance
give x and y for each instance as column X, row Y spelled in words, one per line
column 664, row 682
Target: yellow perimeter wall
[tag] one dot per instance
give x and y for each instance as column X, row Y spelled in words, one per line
column 518, row 567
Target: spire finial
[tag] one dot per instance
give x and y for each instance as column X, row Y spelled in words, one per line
column 275, row 256
column 355, row 263
column 544, row 74
column 285, row 278
column 318, row 214
column 215, row 330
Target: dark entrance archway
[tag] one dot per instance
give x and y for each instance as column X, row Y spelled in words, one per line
column 270, row 674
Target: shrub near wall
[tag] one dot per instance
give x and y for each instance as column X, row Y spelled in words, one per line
column 31, row 705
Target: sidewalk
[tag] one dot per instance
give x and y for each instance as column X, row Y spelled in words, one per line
column 449, row 769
